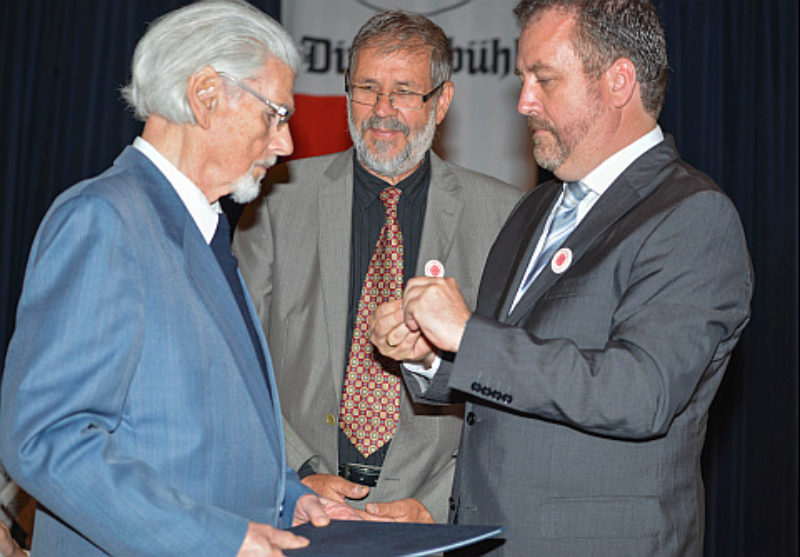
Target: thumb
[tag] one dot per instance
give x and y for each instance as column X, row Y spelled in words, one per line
column 357, row 491
column 375, row 508
column 287, row 540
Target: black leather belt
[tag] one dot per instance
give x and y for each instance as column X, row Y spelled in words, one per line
column 364, row 474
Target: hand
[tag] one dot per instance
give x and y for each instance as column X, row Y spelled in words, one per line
column 335, row 487
column 436, row 308
column 264, row 540
column 402, row 510
column 9, row 547
column 320, row 510
column 391, row 336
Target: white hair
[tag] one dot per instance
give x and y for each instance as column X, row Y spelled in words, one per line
column 229, row 35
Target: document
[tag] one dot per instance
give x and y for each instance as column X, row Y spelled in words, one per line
column 344, row 538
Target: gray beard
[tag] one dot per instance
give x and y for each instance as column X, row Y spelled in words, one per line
column 246, row 188
column 382, row 164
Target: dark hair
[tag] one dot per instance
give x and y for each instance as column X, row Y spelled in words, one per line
column 609, row 29
column 396, row 30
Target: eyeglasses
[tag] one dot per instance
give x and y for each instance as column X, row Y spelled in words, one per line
column 406, row 100
column 281, row 112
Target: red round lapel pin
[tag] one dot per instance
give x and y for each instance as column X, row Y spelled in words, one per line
column 434, row 268
column 561, row 260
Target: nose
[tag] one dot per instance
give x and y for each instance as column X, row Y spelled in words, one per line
column 280, row 142
column 529, row 103
column 383, row 107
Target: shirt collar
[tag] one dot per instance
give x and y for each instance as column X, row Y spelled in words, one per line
column 369, row 186
column 204, row 214
column 599, row 179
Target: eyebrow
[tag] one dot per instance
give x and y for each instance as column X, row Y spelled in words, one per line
column 533, row 68
column 372, row 81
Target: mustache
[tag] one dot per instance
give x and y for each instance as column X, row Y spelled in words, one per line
column 386, row 123
column 535, row 123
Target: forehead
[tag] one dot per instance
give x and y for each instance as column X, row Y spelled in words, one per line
column 546, row 41
column 398, row 66
column 276, row 82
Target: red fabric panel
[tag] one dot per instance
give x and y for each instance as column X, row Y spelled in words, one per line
column 319, row 125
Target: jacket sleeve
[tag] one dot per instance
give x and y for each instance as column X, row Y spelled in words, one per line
column 681, row 309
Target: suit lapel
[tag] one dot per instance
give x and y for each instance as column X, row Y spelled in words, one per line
column 444, row 204
column 527, row 225
column 335, row 208
column 204, row 271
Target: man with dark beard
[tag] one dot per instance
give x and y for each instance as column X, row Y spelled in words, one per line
column 305, row 252
column 607, row 313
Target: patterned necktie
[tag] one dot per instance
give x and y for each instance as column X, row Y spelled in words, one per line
column 563, row 224
column 371, row 396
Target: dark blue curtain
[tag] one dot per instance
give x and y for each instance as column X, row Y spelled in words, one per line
column 731, row 104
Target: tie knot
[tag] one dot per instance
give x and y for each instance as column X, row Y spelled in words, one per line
column 389, row 197
column 574, row 193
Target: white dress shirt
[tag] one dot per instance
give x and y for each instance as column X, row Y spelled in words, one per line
column 204, row 214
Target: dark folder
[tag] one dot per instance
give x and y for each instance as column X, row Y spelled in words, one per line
column 344, row 538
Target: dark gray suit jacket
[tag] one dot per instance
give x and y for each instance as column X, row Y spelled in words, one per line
column 294, row 253
column 587, row 405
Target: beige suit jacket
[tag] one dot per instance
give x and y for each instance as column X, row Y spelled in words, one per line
column 293, row 247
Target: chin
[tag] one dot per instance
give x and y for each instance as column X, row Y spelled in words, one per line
column 246, row 188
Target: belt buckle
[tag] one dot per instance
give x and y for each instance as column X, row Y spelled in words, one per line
column 363, row 474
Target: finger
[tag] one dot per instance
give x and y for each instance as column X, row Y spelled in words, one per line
column 283, row 539
column 398, row 335
column 383, row 512
column 316, row 513
column 387, row 313
column 352, row 490
column 341, row 511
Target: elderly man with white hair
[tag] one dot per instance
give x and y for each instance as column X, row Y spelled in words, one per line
column 138, row 400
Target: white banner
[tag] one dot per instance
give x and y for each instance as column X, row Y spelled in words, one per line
column 482, row 130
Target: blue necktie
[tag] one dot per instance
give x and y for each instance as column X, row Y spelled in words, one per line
column 564, row 222
column 221, row 246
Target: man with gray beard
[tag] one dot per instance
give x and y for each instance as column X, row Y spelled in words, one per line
column 305, row 252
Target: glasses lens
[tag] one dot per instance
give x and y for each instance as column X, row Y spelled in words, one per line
column 409, row 101
column 364, row 95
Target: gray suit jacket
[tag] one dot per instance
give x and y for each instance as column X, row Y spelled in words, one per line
column 294, row 253
column 587, row 405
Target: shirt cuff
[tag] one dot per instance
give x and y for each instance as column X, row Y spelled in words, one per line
column 420, row 369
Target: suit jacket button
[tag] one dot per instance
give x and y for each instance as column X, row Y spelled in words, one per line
column 330, row 419
column 470, row 418
column 452, row 504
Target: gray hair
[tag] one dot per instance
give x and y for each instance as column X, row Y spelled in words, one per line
column 609, row 29
column 229, row 35
column 396, row 30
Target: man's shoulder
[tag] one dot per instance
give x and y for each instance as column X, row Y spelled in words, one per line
column 476, row 185
column 298, row 177
column 115, row 186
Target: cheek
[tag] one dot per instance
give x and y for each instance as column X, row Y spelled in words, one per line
column 359, row 113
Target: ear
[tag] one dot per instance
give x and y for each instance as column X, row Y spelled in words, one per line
column 444, row 100
column 203, row 93
column 621, row 81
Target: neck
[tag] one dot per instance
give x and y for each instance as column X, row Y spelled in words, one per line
column 624, row 131
column 393, row 180
column 176, row 142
